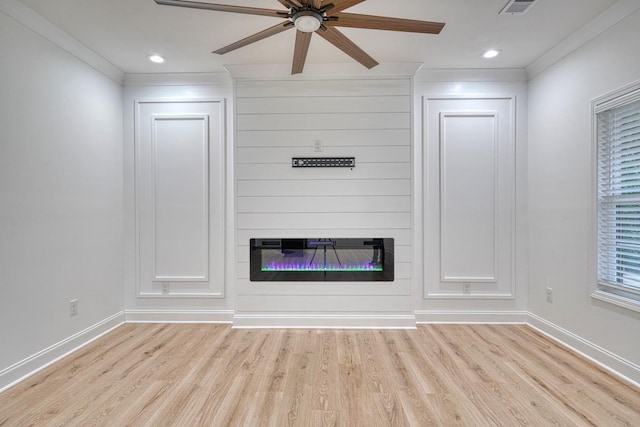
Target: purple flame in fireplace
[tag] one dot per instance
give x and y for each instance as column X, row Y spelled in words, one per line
column 293, row 266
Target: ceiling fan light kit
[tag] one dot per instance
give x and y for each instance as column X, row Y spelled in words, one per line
column 315, row 16
column 307, row 21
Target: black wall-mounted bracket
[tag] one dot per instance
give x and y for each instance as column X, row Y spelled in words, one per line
column 323, row 162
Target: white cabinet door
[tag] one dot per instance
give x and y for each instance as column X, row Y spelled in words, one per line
column 469, row 197
column 179, row 198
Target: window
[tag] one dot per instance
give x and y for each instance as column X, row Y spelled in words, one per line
column 617, row 134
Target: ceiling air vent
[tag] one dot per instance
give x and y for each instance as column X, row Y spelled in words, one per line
column 517, row 6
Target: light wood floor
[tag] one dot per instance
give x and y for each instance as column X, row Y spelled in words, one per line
column 211, row 375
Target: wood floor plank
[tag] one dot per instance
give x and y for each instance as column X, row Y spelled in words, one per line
column 507, row 385
column 325, row 368
column 296, row 399
column 204, row 375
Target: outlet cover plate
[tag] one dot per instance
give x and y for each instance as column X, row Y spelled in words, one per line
column 73, row 308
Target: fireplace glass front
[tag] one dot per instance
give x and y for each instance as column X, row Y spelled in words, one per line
column 322, row 259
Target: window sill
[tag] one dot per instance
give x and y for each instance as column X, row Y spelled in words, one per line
column 618, row 300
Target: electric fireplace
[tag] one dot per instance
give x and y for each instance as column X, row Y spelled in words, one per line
column 322, row 260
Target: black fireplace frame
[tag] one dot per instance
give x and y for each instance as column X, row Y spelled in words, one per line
column 384, row 245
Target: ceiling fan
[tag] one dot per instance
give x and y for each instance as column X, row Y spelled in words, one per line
column 315, row 16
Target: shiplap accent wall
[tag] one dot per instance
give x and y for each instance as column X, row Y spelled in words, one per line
column 367, row 119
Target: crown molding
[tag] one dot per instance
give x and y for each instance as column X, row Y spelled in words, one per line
column 178, row 79
column 471, row 75
column 593, row 29
column 322, row 71
column 30, row 19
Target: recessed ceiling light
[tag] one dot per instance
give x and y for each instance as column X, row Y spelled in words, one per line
column 491, row 53
column 156, row 58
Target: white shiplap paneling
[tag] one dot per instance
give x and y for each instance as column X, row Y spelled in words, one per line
column 367, row 119
column 401, row 236
column 306, row 121
column 373, row 154
column 297, row 188
column 333, row 221
column 328, row 137
column 322, row 88
column 324, row 105
column 282, row 171
column 310, row 204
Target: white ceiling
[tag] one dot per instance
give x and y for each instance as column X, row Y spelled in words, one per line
column 125, row 31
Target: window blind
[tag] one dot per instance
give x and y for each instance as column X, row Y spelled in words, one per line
column 618, row 136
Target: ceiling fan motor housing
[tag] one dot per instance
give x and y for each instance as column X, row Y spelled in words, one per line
column 307, row 21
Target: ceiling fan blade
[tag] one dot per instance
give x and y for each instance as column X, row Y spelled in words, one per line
column 340, row 5
column 256, row 37
column 354, row 20
column 338, row 39
column 289, row 3
column 300, row 53
column 317, row 4
column 223, row 8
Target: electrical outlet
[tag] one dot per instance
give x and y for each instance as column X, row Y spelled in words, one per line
column 466, row 288
column 73, row 307
column 317, row 146
column 549, row 295
column 165, row 288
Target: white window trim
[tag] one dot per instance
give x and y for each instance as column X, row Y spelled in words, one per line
column 605, row 102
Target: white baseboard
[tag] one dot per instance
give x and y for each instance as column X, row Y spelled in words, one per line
column 470, row 317
column 178, row 316
column 323, row 321
column 613, row 363
column 40, row 360
column 618, row 366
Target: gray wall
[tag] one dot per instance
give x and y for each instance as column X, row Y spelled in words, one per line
column 61, row 194
column 561, row 192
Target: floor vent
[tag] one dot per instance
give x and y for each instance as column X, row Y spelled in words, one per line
column 517, row 7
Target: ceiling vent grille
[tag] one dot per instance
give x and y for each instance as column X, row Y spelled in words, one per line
column 517, row 7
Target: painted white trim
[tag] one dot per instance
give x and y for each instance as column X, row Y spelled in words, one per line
column 618, row 366
column 609, row 100
column 42, row 359
column 424, row 193
column 223, row 185
column 470, row 296
column 40, row 25
column 444, row 115
column 470, row 317
column 182, row 295
column 323, row 321
column 178, row 316
column 322, row 71
column 591, row 30
column 620, row 301
column 613, row 363
column 472, row 75
column 204, row 120
column 178, row 79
